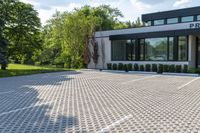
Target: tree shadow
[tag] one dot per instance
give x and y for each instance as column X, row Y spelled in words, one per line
column 25, row 108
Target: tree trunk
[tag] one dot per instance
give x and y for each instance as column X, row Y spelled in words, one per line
column 3, row 67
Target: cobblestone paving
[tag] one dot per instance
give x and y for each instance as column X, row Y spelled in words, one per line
column 92, row 101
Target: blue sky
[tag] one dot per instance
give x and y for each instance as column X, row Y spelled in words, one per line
column 131, row 9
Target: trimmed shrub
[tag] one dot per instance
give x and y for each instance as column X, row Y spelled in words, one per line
column 109, row 66
column 141, row 67
column 185, row 69
column 172, row 68
column 136, row 67
column 120, row 66
column 178, row 68
column 114, row 67
column 125, row 68
column 166, row 68
column 154, row 67
column 160, row 68
column 130, row 67
column 148, row 67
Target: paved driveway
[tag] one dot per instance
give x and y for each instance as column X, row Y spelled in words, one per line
column 93, row 101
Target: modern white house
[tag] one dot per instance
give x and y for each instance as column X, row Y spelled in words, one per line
column 169, row 37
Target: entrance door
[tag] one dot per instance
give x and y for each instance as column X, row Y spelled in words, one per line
column 198, row 52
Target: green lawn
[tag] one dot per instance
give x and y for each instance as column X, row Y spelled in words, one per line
column 18, row 69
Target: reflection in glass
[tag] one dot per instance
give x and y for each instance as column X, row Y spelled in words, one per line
column 182, row 48
column 187, row 19
column 119, row 50
column 159, row 22
column 172, row 20
column 156, row 49
column 171, row 48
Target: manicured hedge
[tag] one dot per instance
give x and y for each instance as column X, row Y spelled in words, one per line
column 136, row 67
column 130, row 67
column 154, row 67
column 109, row 66
column 148, row 67
column 141, row 67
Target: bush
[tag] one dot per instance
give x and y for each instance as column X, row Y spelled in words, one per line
column 114, row 67
column 148, row 67
column 125, row 68
column 120, row 66
column 185, row 68
column 178, row 68
column 136, row 67
column 141, row 67
column 172, row 68
column 130, row 67
column 166, row 68
column 160, row 68
column 109, row 66
column 154, row 67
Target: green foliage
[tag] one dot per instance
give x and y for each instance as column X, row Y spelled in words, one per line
column 114, row 67
column 120, row 66
column 160, row 68
column 125, row 68
column 136, row 67
column 172, row 68
column 185, row 68
column 109, row 66
column 178, row 68
column 130, row 67
column 166, row 68
column 154, row 67
column 21, row 30
column 148, row 67
column 141, row 67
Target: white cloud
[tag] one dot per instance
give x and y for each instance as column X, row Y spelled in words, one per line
column 181, row 3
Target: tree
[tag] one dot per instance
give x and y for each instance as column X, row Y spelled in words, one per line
column 22, row 30
column 3, row 48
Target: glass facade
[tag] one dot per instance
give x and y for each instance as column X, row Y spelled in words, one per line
column 150, row 49
column 130, row 48
column 142, row 49
column 171, row 49
column 182, row 48
column 156, row 49
column 119, row 50
column 198, row 17
column 172, row 20
column 187, row 19
column 159, row 22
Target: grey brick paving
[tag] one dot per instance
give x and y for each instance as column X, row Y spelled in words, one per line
column 92, row 101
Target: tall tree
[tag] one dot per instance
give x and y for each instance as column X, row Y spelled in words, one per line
column 21, row 30
column 3, row 47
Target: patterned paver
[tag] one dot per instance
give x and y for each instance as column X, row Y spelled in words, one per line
column 92, row 101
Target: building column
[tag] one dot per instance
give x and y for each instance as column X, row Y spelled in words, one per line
column 192, row 51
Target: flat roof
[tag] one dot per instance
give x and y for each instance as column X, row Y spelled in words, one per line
column 171, row 14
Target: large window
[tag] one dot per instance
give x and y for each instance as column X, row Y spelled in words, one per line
column 142, row 49
column 198, row 17
column 171, row 48
column 119, row 50
column 172, row 20
column 156, row 49
column 159, row 22
column 187, row 19
column 182, row 48
column 130, row 48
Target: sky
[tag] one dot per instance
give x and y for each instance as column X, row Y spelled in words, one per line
column 131, row 9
